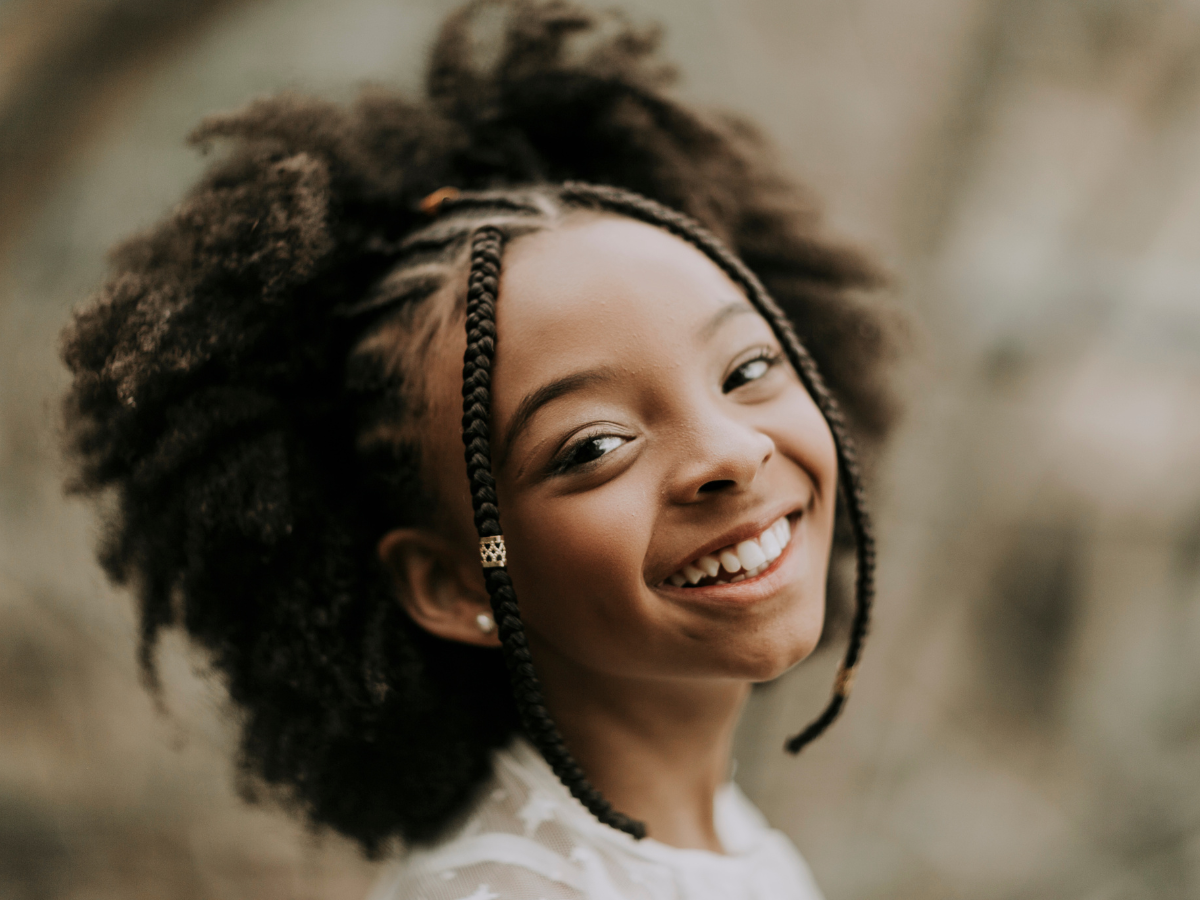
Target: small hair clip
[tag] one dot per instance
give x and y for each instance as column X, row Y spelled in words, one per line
column 432, row 203
column 492, row 552
column 844, row 681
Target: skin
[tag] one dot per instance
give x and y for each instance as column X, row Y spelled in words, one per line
column 682, row 429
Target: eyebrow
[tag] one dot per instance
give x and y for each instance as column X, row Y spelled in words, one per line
column 713, row 325
column 535, row 400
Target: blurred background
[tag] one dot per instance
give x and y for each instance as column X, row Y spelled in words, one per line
column 1027, row 720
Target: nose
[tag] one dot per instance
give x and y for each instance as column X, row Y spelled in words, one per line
column 719, row 454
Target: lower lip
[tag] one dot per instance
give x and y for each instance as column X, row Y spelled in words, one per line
column 761, row 586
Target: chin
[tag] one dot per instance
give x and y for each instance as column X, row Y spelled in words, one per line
column 766, row 663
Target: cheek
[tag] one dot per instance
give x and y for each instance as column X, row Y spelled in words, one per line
column 576, row 564
column 805, row 438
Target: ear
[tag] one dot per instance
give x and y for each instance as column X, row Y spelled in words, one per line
column 439, row 586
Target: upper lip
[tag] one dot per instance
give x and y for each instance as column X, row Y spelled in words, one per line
column 743, row 532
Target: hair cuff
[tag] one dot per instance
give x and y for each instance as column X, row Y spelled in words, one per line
column 492, row 552
column 844, row 681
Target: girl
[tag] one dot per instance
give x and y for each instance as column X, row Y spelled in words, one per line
column 527, row 665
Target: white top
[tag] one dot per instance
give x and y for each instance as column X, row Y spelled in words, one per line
column 528, row 839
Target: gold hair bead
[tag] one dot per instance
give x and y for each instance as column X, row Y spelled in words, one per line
column 844, row 681
column 492, row 552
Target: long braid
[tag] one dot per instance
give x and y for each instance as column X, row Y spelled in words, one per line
column 637, row 207
column 484, row 278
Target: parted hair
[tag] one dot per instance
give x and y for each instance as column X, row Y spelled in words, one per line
column 249, row 388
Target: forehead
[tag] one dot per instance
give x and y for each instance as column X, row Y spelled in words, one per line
column 601, row 284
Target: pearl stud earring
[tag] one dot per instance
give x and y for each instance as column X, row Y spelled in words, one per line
column 486, row 623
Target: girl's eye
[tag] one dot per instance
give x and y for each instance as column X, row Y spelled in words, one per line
column 589, row 450
column 751, row 370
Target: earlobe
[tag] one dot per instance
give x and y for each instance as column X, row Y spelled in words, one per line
column 437, row 586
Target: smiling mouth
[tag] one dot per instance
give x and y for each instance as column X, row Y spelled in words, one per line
column 737, row 562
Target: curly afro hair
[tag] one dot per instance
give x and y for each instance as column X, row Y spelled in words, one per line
column 258, row 441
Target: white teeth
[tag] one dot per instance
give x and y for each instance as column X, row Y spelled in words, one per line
column 746, row 560
column 730, row 561
column 750, row 554
column 770, row 544
column 783, row 531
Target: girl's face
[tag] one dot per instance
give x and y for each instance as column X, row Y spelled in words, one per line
column 645, row 425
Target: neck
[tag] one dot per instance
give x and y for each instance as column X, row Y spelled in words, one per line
column 657, row 749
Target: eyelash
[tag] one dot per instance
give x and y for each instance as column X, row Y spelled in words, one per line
column 565, row 464
column 771, row 357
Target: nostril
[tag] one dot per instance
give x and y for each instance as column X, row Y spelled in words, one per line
column 711, row 486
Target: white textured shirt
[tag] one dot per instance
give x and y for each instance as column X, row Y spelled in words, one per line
column 527, row 838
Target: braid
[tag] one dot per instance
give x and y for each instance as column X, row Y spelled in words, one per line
column 527, row 690
column 635, row 206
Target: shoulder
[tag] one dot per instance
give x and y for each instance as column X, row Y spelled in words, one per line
column 516, row 844
column 485, row 868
